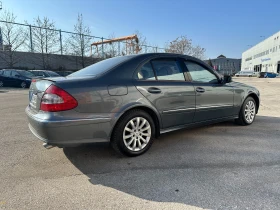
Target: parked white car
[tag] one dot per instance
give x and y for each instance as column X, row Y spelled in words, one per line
column 245, row 74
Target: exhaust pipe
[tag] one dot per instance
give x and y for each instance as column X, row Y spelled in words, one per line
column 48, row 146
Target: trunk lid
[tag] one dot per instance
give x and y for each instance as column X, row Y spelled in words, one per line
column 36, row 91
column 38, row 88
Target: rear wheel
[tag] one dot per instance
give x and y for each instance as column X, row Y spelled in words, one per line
column 134, row 133
column 247, row 113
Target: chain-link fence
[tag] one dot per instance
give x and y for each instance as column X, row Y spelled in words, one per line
column 30, row 38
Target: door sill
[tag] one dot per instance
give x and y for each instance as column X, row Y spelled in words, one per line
column 197, row 124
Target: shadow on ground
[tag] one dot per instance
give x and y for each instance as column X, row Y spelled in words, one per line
column 189, row 166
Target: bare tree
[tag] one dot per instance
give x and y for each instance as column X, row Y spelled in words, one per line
column 80, row 42
column 183, row 45
column 111, row 49
column 45, row 39
column 142, row 41
column 13, row 39
column 209, row 62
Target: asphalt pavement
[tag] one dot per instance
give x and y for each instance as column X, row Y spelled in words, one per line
column 221, row 166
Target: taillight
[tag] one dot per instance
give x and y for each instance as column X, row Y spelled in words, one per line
column 56, row 99
column 33, row 80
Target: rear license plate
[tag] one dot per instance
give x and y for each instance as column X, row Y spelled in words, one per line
column 33, row 102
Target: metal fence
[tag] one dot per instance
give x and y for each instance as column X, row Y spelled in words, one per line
column 57, row 41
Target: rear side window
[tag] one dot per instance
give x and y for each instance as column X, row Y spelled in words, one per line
column 100, row 67
column 168, row 70
column 146, row 72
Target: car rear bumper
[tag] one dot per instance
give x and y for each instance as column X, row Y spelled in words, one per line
column 69, row 132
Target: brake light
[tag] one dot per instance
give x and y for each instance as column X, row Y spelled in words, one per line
column 33, row 80
column 56, row 99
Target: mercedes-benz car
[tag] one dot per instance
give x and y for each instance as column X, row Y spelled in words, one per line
column 130, row 100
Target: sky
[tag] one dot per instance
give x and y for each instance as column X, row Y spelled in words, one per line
column 227, row 27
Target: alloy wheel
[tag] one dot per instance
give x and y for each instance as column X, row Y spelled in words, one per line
column 23, row 85
column 250, row 111
column 137, row 134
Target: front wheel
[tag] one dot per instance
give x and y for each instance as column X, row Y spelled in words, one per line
column 23, row 85
column 134, row 133
column 247, row 113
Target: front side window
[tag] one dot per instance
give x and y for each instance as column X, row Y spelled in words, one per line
column 26, row 73
column 168, row 70
column 200, row 73
column 7, row 73
column 146, row 72
column 14, row 74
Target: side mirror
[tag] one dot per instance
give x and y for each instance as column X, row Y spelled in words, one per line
column 227, row 79
column 16, row 75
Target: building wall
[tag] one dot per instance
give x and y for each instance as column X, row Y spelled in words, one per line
column 225, row 65
column 28, row 60
column 263, row 57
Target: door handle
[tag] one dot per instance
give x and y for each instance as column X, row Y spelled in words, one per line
column 200, row 90
column 154, row 90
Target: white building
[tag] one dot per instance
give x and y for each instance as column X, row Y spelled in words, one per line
column 263, row 57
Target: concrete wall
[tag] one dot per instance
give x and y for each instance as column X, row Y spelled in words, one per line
column 28, row 60
column 265, row 56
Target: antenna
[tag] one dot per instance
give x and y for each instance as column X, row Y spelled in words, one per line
column 0, row 5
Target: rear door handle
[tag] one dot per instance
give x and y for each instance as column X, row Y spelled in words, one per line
column 200, row 90
column 154, row 90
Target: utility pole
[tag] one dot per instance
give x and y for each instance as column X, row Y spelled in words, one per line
column 1, row 39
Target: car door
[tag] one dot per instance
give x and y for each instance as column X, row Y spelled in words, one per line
column 8, row 80
column 15, row 78
column 214, row 100
column 162, row 82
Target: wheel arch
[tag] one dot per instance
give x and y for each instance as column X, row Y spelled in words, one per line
column 256, row 98
column 150, row 111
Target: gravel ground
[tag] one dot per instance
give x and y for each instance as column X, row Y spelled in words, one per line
column 222, row 166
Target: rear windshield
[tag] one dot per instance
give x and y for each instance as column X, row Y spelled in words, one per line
column 100, row 67
column 53, row 74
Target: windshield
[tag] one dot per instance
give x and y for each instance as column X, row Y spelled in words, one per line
column 53, row 74
column 26, row 73
column 100, row 67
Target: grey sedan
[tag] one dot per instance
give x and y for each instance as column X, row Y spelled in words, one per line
column 130, row 100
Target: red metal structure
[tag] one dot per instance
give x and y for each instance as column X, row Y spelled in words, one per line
column 131, row 44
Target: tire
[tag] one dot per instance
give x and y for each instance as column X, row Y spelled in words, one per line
column 249, row 104
column 1, row 84
column 133, row 144
column 23, row 85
